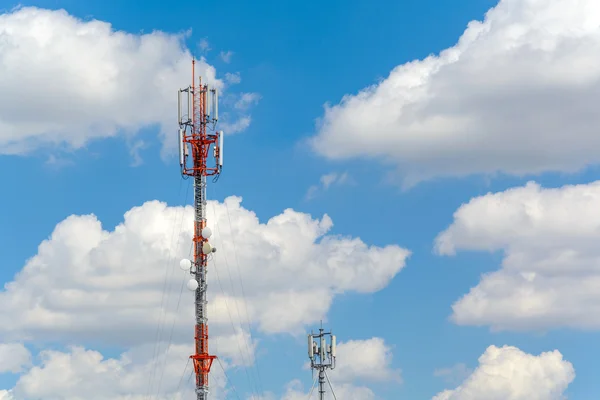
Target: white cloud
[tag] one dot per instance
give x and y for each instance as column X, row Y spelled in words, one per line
column 516, row 94
column 134, row 152
column 86, row 283
column 508, row 373
column 238, row 347
column 375, row 362
column 326, row 182
column 247, row 100
column 236, row 126
column 238, row 120
column 550, row 275
column 233, row 78
column 80, row 373
column 204, row 45
column 13, row 357
column 312, row 192
column 65, row 81
column 89, row 285
column 6, row 395
column 226, row 56
column 330, row 179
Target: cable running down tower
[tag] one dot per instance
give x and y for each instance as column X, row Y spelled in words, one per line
column 196, row 119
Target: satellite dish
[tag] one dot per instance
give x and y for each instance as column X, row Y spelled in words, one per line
column 207, row 248
column 192, row 284
column 185, row 264
column 206, row 232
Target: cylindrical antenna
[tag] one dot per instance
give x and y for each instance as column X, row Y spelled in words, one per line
column 208, row 105
column 190, row 103
column 216, row 104
column 333, row 345
column 179, row 106
column 221, row 135
column 323, row 348
column 181, row 155
column 204, row 99
column 311, row 353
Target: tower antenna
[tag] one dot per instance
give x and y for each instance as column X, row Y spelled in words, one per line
column 197, row 117
column 321, row 355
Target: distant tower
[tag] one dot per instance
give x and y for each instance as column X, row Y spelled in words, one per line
column 196, row 118
column 321, row 355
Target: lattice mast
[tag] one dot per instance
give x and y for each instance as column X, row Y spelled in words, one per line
column 196, row 122
column 321, row 355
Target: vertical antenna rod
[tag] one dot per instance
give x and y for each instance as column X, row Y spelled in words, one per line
column 194, row 136
column 321, row 355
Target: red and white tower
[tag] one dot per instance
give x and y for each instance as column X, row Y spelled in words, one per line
column 196, row 122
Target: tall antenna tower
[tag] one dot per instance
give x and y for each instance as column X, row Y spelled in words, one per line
column 195, row 121
column 321, row 355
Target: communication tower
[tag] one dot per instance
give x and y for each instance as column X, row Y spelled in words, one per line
column 197, row 119
column 321, row 355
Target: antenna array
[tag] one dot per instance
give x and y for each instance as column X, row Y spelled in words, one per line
column 321, row 355
column 196, row 119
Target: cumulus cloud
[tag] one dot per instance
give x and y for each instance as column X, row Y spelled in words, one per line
column 550, row 274
column 516, row 94
column 79, row 373
column 87, row 283
column 6, row 395
column 508, row 373
column 65, row 81
column 375, row 362
column 76, row 372
column 13, row 357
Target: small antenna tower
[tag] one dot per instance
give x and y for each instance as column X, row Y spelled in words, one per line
column 321, row 355
column 196, row 119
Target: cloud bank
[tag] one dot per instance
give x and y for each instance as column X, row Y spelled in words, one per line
column 67, row 81
column 550, row 274
column 86, row 282
column 516, row 94
column 507, row 373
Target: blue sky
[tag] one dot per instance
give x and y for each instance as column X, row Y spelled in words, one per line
column 298, row 57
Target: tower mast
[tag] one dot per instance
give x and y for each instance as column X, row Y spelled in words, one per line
column 195, row 142
column 321, row 355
